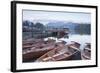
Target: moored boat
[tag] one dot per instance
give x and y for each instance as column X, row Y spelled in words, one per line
column 34, row 42
column 30, row 42
column 86, row 53
column 38, row 49
column 60, row 53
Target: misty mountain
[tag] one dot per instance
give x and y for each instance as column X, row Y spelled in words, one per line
column 69, row 25
column 73, row 27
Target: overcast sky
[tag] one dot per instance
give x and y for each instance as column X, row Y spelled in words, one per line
column 47, row 16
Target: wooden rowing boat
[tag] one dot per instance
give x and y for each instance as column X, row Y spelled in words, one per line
column 38, row 49
column 86, row 53
column 34, row 42
column 35, row 52
column 29, row 43
column 61, row 52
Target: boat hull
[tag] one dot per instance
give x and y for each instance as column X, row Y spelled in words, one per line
column 33, row 55
column 86, row 53
column 62, row 53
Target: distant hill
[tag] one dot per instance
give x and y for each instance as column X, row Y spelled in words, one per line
column 69, row 25
column 73, row 27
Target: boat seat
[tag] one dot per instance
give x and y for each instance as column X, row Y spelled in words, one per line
column 66, row 55
column 88, row 49
column 86, row 57
column 47, row 58
column 74, row 48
